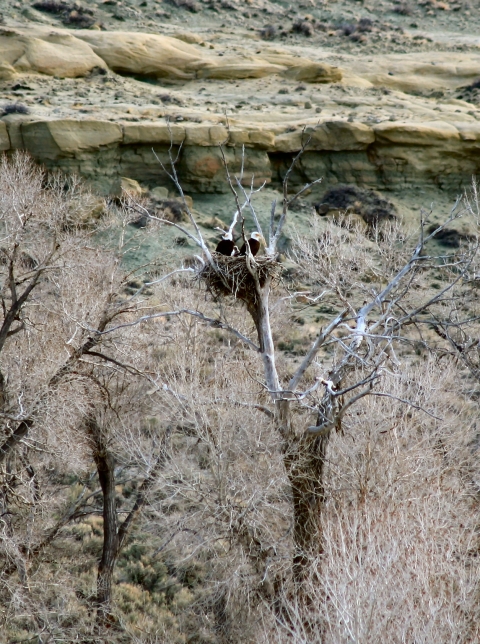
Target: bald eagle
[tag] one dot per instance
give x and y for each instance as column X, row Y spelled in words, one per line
column 226, row 245
column 254, row 242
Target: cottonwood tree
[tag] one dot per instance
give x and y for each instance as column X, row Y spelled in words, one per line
column 84, row 363
column 65, row 374
column 350, row 355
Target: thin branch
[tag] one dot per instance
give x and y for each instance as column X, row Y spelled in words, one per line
column 174, row 177
column 378, row 299
column 166, row 221
column 272, row 244
column 309, row 358
column 238, row 212
column 324, row 428
column 165, row 277
column 271, row 225
column 125, row 367
column 406, row 402
column 215, row 322
column 248, row 201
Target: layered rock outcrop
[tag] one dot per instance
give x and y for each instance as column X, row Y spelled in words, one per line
column 388, row 155
column 43, row 51
column 60, row 53
column 362, row 127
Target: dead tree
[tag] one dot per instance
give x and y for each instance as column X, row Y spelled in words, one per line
column 364, row 338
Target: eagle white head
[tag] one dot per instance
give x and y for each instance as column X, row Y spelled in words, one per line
column 226, row 234
column 257, row 237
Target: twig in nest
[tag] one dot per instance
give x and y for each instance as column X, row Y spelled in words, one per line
column 231, row 276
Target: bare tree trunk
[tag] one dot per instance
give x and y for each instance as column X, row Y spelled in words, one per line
column 106, row 466
column 304, row 458
column 261, row 317
column 303, row 455
column 106, row 475
column 114, row 536
column 304, row 464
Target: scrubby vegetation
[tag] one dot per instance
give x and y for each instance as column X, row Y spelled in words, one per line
column 156, row 488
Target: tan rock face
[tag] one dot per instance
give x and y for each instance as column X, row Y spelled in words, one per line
column 205, row 135
column 153, row 133
column 56, row 53
column 389, row 155
column 7, row 72
column 314, row 73
column 189, row 37
column 364, row 127
column 413, row 72
column 146, row 54
column 152, row 55
column 202, row 168
column 55, row 138
column 469, row 132
column 427, row 133
column 332, row 135
column 125, row 185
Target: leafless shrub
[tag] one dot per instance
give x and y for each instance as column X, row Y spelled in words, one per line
column 15, row 108
column 403, row 9
column 59, row 294
column 303, row 27
column 268, row 32
column 348, row 28
column 169, row 98
column 390, row 522
column 189, row 5
column 367, row 203
column 79, row 18
column 53, row 6
column 171, row 210
column 344, row 509
column 72, row 13
column 364, row 25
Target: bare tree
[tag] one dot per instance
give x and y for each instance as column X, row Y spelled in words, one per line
column 120, row 406
column 61, row 293
column 363, row 337
column 268, row 432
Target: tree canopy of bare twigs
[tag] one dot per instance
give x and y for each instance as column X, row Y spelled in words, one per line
column 230, row 454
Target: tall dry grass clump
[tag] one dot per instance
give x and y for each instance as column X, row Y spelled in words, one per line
column 400, row 522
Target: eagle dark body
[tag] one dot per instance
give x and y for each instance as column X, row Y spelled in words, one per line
column 254, row 247
column 225, row 247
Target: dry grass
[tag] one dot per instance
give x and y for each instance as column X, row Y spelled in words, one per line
column 400, row 523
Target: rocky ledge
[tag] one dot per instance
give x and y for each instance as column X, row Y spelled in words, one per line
column 109, row 104
column 388, row 154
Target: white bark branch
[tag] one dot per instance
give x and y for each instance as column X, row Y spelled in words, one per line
column 310, row 357
column 248, row 201
column 174, row 177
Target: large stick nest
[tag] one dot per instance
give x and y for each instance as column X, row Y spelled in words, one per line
column 231, row 276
